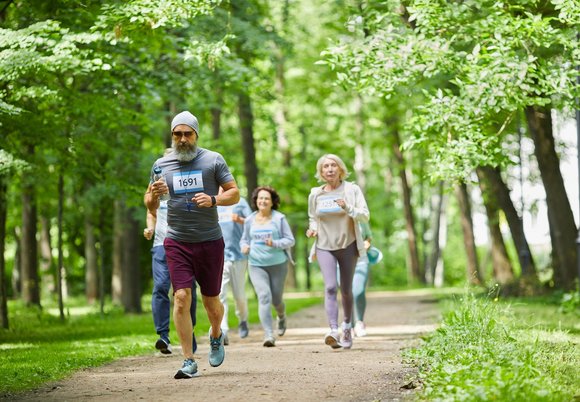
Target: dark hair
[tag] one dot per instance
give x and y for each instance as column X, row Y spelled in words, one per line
column 273, row 194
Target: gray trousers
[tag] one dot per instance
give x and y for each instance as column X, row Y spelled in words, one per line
column 234, row 276
column 268, row 283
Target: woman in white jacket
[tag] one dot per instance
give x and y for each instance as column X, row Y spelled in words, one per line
column 334, row 210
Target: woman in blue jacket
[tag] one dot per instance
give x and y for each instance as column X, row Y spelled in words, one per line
column 267, row 239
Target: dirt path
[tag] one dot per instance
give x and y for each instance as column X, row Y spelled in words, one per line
column 299, row 368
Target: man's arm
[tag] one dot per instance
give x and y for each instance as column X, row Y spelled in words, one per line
column 150, row 229
column 151, row 201
column 230, row 195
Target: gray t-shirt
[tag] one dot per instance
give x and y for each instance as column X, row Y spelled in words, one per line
column 205, row 173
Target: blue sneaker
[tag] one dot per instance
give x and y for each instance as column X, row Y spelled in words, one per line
column 217, row 352
column 193, row 343
column 243, row 329
column 188, row 370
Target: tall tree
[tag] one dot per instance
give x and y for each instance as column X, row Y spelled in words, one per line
column 562, row 225
column 478, row 63
column 502, row 268
column 92, row 267
column 415, row 273
column 473, row 272
column 246, row 118
column 515, row 222
column 435, row 261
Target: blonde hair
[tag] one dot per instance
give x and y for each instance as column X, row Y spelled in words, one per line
column 344, row 173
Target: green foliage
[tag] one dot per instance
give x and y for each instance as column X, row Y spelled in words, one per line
column 570, row 302
column 487, row 350
column 9, row 165
column 476, row 63
column 139, row 15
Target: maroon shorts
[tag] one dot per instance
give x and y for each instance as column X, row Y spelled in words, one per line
column 203, row 262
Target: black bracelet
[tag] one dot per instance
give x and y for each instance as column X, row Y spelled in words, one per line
column 213, row 200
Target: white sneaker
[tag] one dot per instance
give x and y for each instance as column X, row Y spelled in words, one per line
column 360, row 329
column 269, row 341
column 332, row 339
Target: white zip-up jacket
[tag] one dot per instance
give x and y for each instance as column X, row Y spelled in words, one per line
column 356, row 208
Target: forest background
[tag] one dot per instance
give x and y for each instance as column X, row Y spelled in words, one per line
column 430, row 102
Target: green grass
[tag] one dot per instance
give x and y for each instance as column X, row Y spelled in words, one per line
column 492, row 350
column 39, row 348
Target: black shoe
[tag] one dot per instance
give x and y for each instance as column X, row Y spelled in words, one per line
column 163, row 346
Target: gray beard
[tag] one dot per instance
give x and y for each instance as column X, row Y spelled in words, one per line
column 185, row 153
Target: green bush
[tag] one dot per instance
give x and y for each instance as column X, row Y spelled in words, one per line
column 480, row 354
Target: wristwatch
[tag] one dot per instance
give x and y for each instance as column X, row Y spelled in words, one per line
column 213, row 200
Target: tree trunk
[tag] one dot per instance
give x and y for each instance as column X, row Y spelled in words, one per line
column 291, row 280
column 216, row 109
column 116, row 275
column 247, row 130
column 502, row 269
column 304, row 178
column 103, row 251
column 16, row 279
column 564, row 229
column 131, row 271
column 502, row 192
column 30, row 284
column 280, row 112
column 473, row 271
column 439, row 273
column 167, row 136
column 3, row 288
column 415, row 270
column 435, row 240
column 91, row 268
column 359, row 150
column 46, row 260
column 60, row 265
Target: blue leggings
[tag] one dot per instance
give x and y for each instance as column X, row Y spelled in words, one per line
column 359, row 284
column 346, row 259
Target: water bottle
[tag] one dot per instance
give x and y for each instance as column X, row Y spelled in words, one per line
column 158, row 175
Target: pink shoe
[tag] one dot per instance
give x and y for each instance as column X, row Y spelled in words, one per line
column 346, row 340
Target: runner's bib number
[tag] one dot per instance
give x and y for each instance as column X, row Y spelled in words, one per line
column 261, row 235
column 188, row 182
column 326, row 205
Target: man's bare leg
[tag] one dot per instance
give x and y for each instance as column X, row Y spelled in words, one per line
column 215, row 313
column 182, row 320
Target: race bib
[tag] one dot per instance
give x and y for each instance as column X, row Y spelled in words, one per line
column 326, row 205
column 188, row 182
column 261, row 235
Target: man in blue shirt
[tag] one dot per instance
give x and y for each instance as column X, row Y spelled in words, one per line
column 231, row 219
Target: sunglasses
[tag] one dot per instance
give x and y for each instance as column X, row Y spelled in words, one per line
column 186, row 134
